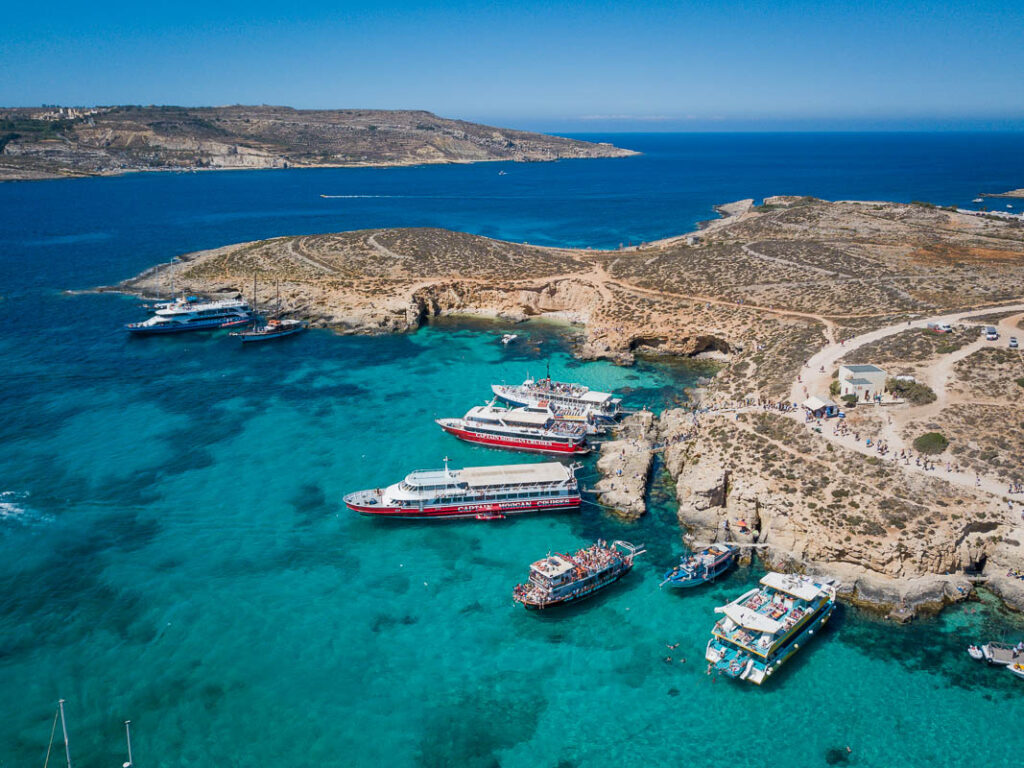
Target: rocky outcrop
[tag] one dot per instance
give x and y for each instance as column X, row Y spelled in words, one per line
column 625, row 465
column 724, row 493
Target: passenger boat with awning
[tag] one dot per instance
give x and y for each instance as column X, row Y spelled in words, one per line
column 518, row 429
column 763, row 628
column 485, row 493
column 185, row 315
column 564, row 578
column 559, row 395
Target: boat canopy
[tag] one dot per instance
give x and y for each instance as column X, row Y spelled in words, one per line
column 530, row 418
column 596, row 397
column 515, row 474
column 749, row 619
column 552, row 566
column 792, row 584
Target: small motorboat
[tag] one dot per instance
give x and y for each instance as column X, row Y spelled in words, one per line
column 490, row 516
column 1017, row 669
column 1002, row 654
column 701, row 567
column 977, row 200
column 273, row 329
column 508, row 338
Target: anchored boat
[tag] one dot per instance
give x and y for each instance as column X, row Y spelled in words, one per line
column 701, row 567
column 563, row 578
column 272, row 329
column 1018, row 670
column 185, row 315
column 486, row 493
column 518, row 429
column 558, row 395
column 763, row 628
column 1001, row 654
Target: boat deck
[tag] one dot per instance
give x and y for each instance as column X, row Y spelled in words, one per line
column 1001, row 653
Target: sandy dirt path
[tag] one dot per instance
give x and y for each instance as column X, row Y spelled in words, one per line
column 817, row 376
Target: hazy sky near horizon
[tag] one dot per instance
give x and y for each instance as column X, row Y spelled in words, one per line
column 586, row 65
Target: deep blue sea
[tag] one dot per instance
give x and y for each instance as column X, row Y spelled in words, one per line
column 173, row 549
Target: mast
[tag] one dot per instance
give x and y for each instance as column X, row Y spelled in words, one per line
column 254, row 291
column 64, row 727
column 128, row 737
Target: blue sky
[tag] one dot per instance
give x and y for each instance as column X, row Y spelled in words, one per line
column 587, row 65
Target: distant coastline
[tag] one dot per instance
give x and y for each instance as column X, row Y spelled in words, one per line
column 1011, row 193
column 65, row 142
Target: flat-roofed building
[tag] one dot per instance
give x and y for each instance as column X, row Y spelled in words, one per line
column 864, row 381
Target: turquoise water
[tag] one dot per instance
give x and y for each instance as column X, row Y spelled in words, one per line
column 173, row 549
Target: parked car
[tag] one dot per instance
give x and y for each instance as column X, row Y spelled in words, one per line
column 991, row 333
column 1013, row 342
column 940, row 327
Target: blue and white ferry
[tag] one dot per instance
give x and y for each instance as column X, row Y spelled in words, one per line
column 701, row 567
column 188, row 315
column 762, row 628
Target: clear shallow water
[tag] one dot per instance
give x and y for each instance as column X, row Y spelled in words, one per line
column 172, row 548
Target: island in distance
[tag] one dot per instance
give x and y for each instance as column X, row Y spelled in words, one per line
column 55, row 142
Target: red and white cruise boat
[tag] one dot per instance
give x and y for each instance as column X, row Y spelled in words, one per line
column 486, row 493
column 518, row 429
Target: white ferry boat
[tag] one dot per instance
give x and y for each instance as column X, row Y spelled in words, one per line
column 762, row 628
column 561, row 396
column 486, row 493
column 186, row 315
column 518, row 429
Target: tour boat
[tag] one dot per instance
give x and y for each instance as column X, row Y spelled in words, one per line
column 486, row 493
column 518, row 429
column 185, row 315
column 544, row 393
column 563, row 578
column 701, row 567
column 272, row 329
column 764, row 627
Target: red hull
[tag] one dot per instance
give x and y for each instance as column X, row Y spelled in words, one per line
column 517, row 444
column 471, row 510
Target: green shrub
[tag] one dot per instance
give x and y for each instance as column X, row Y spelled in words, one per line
column 834, row 387
column 931, row 442
column 1020, row 381
column 911, row 391
column 850, row 400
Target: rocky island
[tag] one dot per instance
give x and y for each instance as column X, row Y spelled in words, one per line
column 783, row 294
column 55, row 142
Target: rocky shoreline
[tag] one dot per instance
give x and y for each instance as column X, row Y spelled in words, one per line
column 762, row 290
